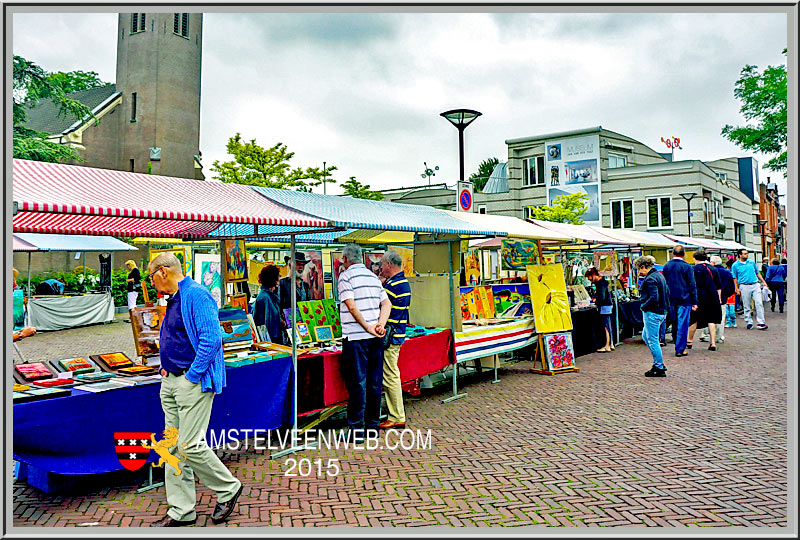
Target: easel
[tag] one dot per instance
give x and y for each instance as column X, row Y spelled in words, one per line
column 540, row 355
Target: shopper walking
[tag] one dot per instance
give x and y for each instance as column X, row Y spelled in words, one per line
column 192, row 371
column 709, row 299
column 365, row 309
column 728, row 293
column 776, row 280
column 266, row 311
column 604, row 304
column 682, row 298
column 746, row 278
column 399, row 293
column 654, row 294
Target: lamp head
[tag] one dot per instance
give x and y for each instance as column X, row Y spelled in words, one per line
column 461, row 118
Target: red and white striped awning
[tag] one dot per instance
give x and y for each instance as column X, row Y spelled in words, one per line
column 136, row 204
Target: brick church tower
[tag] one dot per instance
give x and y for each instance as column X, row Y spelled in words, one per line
column 159, row 57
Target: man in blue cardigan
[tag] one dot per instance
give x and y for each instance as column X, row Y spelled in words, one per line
column 682, row 297
column 192, row 371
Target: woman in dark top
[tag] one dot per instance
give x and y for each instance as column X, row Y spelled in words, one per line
column 709, row 300
column 604, row 305
column 776, row 281
column 134, row 284
column 267, row 311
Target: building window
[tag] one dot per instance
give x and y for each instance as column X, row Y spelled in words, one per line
column 719, row 218
column 755, row 226
column 132, row 165
column 738, row 232
column 617, row 162
column 133, row 107
column 659, row 212
column 180, row 24
column 527, row 212
column 722, row 176
column 137, row 22
column 481, row 208
column 531, row 175
column 622, row 214
column 707, row 212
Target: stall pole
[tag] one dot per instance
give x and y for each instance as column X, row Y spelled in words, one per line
column 29, row 275
column 455, row 395
column 84, row 270
column 294, row 447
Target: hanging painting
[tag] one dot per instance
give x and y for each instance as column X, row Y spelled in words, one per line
column 207, row 273
column 558, row 350
column 551, row 310
column 606, row 262
column 313, row 275
column 235, row 261
column 517, row 254
column 372, row 260
column 407, row 254
column 472, row 266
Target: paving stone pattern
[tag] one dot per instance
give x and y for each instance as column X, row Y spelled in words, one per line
column 705, row 446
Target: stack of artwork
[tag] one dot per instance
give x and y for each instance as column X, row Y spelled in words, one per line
column 236, row 332
column 146, row 324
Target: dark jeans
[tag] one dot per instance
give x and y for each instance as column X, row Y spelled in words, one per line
column 362, row 370
column 778, row 293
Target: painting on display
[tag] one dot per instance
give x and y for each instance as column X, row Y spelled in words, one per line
column 559, row 353
column 333, row 316
column 408, row 259
column 208, row 274
column 313, row 275
column 239, row 301
column 551, row 310
column 235, row 261
column 235, row 326
column 146, row 325
column 372, row 260
column 472, row 266
column 574, row 166
column 180, row 253
column 606, row 262
column 517, row 254
column 478, row 303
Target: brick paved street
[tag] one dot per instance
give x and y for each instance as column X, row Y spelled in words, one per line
column 605, row 447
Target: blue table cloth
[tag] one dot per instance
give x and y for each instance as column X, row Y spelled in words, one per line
column 74, row 435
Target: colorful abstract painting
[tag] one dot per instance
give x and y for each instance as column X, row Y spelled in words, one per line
column 472, row 266
column 235, row 261
column 558, row 350
column 517, row 254
column 208, row 273
column 407, row 254
column 551, row 310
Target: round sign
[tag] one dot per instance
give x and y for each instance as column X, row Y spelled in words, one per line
column 465, row 200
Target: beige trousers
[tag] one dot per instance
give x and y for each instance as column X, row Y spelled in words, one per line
column 188, row 408
column 392, row 385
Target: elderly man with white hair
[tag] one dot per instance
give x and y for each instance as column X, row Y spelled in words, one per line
column 728, row 289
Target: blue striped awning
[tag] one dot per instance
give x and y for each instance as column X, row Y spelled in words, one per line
column 353, row 213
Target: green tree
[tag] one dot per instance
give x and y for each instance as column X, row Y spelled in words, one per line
column 763, row 97
column 357, row 190
column 565, row 209
column 481, row 176
column 32, row 84
column 268, row 167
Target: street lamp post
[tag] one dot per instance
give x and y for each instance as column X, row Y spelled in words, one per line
column 761, row 225
column 324, row 180
column 461, row 118
column 688, row 198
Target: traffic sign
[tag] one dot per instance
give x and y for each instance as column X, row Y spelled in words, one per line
column 464, row 197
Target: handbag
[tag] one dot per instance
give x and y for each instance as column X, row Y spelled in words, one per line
column 386, row 340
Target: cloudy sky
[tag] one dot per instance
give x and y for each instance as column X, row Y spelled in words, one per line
column 364, row 91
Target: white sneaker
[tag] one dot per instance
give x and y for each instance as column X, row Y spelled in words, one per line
column 704, row 338
column 721, row 340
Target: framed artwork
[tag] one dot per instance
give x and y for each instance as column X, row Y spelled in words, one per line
column 472, row 266
column 208, row 273
column 372, row 260
column 559, row 353
column 408, row 258
column 33, row 371
column 303, row 333
column 333, row 317
column 581, row 295
column 606, row 262
column 146, row 323
column 313, row 275
column 287, row 316
column 336, row 269
column 235, row 325
column 239, row 301
column 74, row 365
column 235, row 260
column 323, row 333
column 517, row 254
column 180, row 253
column 112, row 361
column 551, row 311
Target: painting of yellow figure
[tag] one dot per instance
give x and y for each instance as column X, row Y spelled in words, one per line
column 549, row 298
column 472, row 267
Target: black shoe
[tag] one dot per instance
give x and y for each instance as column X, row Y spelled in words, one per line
column 167, row 521
column 781, row 310
column 712, row 347
column 689, row 345
column 655, row 372
column 223, row 510
column 663, row 343
column 684, row 353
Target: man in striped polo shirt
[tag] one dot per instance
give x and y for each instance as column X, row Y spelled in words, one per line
column 364, row 310
column 399, row 291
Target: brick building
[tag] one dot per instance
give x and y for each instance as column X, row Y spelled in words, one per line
column 772, row 221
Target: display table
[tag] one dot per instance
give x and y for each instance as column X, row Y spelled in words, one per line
column 60, row 312
column 588, row 333
column 481, row 341
column 320, row 381
column 74, row 435
column 630, row 318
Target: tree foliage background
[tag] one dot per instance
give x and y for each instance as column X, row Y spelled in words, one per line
column 763, row 97
column 481, row 176
column 565, row 209
column 357, row 190
column 32, row 84
column 268, row 167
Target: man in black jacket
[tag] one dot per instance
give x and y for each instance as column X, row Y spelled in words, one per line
column 654, row 294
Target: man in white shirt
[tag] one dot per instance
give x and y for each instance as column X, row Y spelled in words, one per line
column 365, row 308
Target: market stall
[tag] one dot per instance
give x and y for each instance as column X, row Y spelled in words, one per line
column 70, row 309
